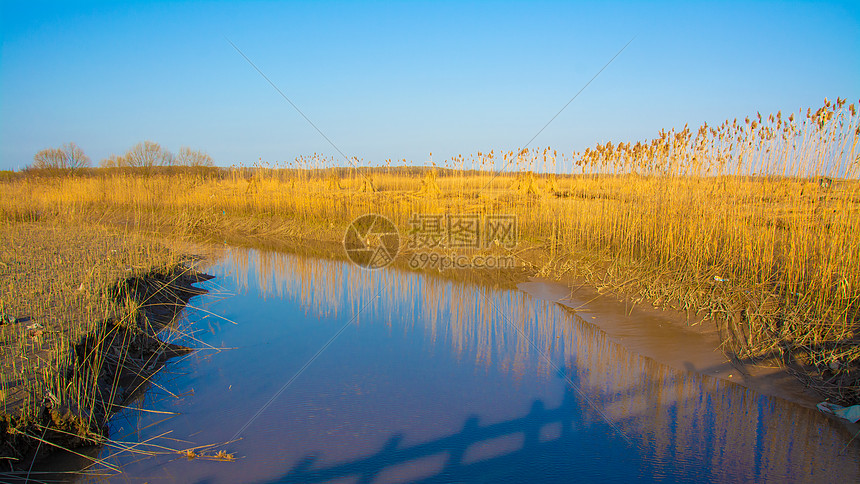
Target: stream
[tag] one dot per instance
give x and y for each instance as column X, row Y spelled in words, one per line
column 319, row 371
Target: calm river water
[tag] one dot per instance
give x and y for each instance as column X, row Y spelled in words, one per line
column 434, row 380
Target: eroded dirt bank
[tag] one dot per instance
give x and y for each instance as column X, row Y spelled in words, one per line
column 670, row 337
column 105, row 368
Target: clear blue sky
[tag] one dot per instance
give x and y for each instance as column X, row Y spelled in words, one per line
column 401, row 80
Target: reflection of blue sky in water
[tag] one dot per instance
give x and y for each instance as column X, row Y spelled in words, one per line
column 429, row 383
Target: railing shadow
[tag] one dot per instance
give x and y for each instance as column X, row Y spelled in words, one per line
column 541, row 439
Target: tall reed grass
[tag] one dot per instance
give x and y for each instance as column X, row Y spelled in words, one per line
column 752, row 222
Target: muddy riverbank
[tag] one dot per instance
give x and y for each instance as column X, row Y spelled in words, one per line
column 116, row 360
column 82, row 311
column 672, row 338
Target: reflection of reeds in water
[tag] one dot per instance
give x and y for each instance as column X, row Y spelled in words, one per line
column 454, row 311
column 744, row 435
column 669, row 412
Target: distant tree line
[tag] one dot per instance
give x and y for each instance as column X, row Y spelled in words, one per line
column 147, row 154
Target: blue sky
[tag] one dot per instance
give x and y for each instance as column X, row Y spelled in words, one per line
column 400, row 80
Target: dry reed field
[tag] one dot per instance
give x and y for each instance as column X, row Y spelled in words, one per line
column 750, row 224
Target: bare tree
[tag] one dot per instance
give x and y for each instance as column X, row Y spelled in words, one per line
column 68, row 156
column 147, row 155
column 48, row 158
column 75, row 157
column 189, row 157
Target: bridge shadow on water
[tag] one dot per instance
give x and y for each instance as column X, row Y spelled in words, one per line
column 545, row 445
